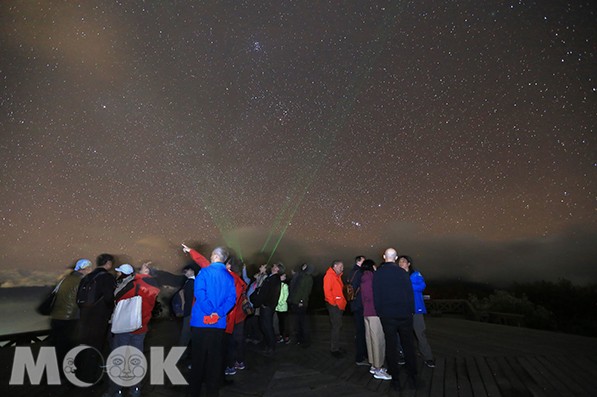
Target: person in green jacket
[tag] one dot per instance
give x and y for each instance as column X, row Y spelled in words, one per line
column 281, row 312
column 65, row 313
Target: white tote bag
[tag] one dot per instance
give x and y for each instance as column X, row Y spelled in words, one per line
column 127, row 315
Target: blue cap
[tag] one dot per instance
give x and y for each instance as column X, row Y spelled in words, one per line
column 82, row 264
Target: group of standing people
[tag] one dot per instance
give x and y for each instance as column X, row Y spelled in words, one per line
column 387, row 305
column 224, row 300
column 85, row 300
column 222, row 308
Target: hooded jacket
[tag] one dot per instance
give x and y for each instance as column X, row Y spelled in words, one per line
column 301, row 286
column 236, row 315
column 418, row 283
column 333, row 289
column 148, row 289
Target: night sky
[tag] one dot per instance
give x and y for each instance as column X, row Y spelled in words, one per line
column 461, row 133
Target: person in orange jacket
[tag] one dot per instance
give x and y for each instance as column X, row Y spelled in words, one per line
column 333, row 290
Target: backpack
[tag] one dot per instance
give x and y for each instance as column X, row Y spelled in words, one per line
column 176, row 304
column 87, row 291
column 246, row 304
column 349, row 292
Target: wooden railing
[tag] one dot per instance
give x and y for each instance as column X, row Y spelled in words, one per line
column 452, row 306
column 23, row 338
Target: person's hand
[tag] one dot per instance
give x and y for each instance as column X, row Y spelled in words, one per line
column 185, row 248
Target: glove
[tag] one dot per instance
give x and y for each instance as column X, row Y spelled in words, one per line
column 211, row 319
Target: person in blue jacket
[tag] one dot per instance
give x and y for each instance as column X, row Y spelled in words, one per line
column 215, row 296
column 418, row 283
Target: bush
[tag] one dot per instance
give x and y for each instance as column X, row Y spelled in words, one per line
column 535, row 316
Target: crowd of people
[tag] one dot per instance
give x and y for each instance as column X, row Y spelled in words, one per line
column 387, row 304
column 222, row 309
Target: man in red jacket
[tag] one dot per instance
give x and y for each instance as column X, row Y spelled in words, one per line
column 234, row 334
column 333, row 290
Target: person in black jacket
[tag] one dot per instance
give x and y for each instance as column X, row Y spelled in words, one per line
column 356, row 306
column 95, row 298
column 269, row 294
column 187, row 294
column 395, row 305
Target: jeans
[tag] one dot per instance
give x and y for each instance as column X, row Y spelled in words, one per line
column 127, row 339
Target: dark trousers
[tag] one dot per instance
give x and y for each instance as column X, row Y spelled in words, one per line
column 63, row 337
column 360, row 343
column 252, row 330
column 301, row 324
column 93, row 331
column 185, row 337
column 282, row 318
column 336, row 323
column 208, row 356
column 392, row 327
column 266, row 318
column 236, row 345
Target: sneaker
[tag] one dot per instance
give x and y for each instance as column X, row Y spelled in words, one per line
column 401, row 360
column 430, row 363
column 239, row 365
column 363, row 363
column 382, row 374
column 372, row 370
column 230, row 371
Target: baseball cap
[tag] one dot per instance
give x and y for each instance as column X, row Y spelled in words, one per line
column 125, row 269
column 82, row 264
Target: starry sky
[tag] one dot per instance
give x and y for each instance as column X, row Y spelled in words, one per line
column 461, row 133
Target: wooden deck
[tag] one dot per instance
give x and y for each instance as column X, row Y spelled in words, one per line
column 472, row 359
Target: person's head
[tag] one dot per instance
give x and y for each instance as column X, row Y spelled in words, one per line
column 105, row 260
column 83, row 266
column 278, row 268
column 368, row 265
column 190, row 270
column 263, row 268
column 406, row 263
column 124, row 270
column 390, row 255
column 233, row 265
column 219, row 254
column 283, row 277
column 358, row 260
column 338, row 266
